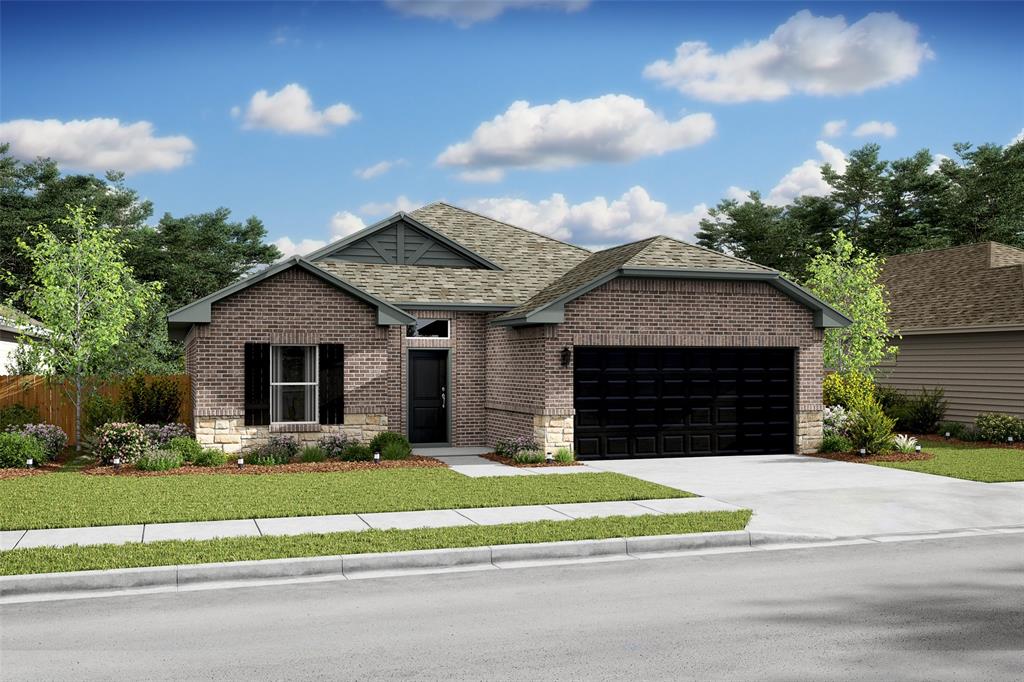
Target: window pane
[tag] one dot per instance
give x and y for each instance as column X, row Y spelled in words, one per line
column 293, row 364
column 427, row 327
column 290, row 403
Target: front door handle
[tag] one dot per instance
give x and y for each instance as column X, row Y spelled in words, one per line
column 442, row 398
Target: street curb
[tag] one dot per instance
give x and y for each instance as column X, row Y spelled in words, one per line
column 172, row 578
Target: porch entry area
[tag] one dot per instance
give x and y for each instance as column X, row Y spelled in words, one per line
column 429, row 397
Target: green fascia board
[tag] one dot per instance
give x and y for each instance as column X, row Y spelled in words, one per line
column 199, row 312
column 464, row 307
column 553, row 312
column 326, row 251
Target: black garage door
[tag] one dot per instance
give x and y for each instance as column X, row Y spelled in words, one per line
column 673, row 402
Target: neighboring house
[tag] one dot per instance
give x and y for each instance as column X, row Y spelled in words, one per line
column 457, row 329
column 13, row 325
column 961, row 314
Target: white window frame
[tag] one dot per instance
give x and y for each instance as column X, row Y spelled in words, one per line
column 316, row 383
column 448, row 327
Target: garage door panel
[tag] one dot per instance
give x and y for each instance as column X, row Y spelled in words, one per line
column 648, row 402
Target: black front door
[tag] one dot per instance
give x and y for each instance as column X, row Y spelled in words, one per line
column 428, row 396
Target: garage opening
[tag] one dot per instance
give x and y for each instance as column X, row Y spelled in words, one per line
column 683, row 402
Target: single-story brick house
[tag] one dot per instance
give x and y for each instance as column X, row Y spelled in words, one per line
column 456, row 329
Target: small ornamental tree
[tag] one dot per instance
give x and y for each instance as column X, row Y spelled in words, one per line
column 86, row 297
column 846, row 277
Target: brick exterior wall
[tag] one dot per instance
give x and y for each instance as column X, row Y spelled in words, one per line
column 505, row 382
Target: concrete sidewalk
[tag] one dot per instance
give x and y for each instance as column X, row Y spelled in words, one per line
column 298, row 525
column 468, row 462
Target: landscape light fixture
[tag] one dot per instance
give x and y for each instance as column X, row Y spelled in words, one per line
column 376, row 458
column 29, row 462
column 241, row 462
column 863, row 452
column 566, row 357
column 1009, row 439
column 117, row 463
column 947, row 435
column 549, row 457
column 917, row 449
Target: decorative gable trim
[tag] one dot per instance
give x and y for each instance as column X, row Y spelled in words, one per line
column 402, row 240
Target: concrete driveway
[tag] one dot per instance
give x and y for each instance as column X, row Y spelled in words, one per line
column 795, row 494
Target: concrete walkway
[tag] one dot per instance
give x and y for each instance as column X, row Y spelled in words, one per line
column 795, row 494
column 298, row 525
column 468, row 462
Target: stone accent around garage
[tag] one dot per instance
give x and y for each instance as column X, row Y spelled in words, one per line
column 809, row 431
column 230, row 434
column 553, row 432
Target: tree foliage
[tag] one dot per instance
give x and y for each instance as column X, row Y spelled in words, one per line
column 846, row 277
column 84, row 294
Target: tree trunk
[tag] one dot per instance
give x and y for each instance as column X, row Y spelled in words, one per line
column 78, row 414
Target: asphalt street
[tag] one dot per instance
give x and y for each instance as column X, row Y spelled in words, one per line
column 949, row 609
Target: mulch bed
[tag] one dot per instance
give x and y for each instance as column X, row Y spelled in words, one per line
column 502, row 459
column 231, row 469
column 34, row 471
column 881, row 457
column 934, row 438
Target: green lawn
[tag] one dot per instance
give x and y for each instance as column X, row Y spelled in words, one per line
column 97, row 557
column 69, row 499
column 989, row 465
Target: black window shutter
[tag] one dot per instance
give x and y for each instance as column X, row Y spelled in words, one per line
column 332, row 383
column 257, row 384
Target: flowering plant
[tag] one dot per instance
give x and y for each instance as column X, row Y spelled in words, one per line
column 126, row 440
column 161, row 434
column 50, row 436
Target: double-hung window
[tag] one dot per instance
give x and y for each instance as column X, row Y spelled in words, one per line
column 293, row 384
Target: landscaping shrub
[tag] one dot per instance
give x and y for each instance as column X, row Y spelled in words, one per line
column 159, row 460
column 904, row 443
column 836, row 419
column 871, row 429
column 954, row 429
column 155, row 402
column 209, row 457
column 186, row 446
column 126, row 440
column 17, row 448
column 50, row 436
column 564, row 456
column 356, row 452
column 999, row 427
column 99, row 410
column 384, row 438
column 396, row 450
column 528, row 457
column 278, row 450
column 848, row 389
column 918, row 413
column 161, row 434
column 312, row 453
column 509, row 447
column 17, row 415
column 833, row 441
column 333, row 445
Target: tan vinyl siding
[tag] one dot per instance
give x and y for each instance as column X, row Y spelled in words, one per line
column 980, row 372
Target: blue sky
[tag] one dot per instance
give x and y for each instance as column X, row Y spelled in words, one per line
column 272, row 109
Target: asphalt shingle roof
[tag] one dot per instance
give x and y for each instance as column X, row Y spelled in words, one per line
column 979, row 285
column 654, row 252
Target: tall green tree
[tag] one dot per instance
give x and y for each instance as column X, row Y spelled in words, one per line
column 847, row 278
column 198, row 254
column 985, row 197
column 755, row 231
column 858, row 189
column 83, row 292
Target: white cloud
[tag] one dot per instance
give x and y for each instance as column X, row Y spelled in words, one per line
column 606, row 128
column 737, row 194
column 290, row 110
column 936, row 163
column 485, row 175
column 377, row 169
column 807, row 54
column 833, row 128
column 805, row 179
column 875, row 128
column 383, row 208
column 599, row 221
column 465, row 13
column 97, row 144
column 344, row 223
column 1018, row 138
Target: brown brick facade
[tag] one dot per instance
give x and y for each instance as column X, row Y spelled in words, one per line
column 506, row 382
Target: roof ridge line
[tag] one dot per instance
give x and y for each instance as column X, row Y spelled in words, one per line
column 718, row 253
column 502, row 222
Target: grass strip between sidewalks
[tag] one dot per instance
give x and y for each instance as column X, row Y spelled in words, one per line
column 172, row 552
column 71, row 500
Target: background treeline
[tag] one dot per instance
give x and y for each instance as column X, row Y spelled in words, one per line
column 884, row 207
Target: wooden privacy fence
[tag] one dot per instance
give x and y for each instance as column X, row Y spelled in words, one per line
column 54, row 406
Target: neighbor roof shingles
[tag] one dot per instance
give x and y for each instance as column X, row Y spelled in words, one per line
column 980, row 285
column 655, row 252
